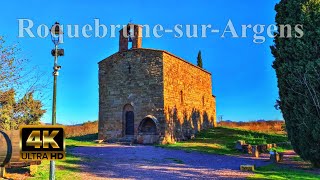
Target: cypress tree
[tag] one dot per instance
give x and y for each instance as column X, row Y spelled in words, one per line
column 199, row 59
column 297, row 66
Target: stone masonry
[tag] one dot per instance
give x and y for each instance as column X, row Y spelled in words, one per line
column 152, row 96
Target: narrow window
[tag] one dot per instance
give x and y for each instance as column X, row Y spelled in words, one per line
column 203, row 101
column 181, row 97
column 130, row 38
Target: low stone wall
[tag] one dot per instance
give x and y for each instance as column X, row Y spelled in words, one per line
column 255, row 150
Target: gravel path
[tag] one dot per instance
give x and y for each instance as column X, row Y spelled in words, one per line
column 149, row 162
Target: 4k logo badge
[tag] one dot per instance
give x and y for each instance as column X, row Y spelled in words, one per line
column 42, row 142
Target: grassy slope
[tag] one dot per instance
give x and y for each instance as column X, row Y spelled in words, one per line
column 219, row 141
column 276, row 172
column 222, row 140
column 68, row 168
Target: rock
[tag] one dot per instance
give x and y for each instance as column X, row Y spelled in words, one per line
column 281, row 157
column 98, row 141
column 276, row 157
column 247, row 148
column 263, row 148
column 247, row 168
column 274, row 145
column 269, row 146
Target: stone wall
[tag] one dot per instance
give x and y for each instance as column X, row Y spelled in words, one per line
column 189, row 105
column 142, row 88
column 158, row 85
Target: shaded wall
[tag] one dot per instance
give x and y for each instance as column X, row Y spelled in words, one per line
column 130, row 77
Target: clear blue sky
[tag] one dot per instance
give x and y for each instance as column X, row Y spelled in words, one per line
column 243, row 79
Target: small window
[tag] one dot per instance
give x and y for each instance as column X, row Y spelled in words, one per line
column 203, row 101
column 130, row 38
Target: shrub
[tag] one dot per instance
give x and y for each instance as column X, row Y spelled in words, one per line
column 80, row 130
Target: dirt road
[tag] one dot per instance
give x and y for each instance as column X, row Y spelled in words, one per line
column 149, row 162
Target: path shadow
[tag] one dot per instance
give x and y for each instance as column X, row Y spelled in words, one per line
column 149, row 162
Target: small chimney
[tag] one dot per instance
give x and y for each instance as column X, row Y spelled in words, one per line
column 133, row 33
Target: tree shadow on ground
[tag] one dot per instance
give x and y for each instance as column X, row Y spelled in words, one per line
column 141, row 162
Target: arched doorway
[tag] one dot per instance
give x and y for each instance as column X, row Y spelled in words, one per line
column 148, row 131
column 148, row 126
column 128, row 120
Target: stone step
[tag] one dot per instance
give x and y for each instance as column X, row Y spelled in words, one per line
column 127, row 140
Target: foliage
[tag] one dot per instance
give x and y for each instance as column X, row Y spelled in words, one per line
column 254, row 140
column 277, row 149
column 222, row 140
column 297, row 65
column 297, row 158
column 15, row 113
column 199, row 59
column 10, row 65
column 18, row 83
column 7, row 103
column 275, row 127
column 83, row 129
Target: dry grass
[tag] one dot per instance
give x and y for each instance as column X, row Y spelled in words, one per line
column 276, row 127
column 81, row 130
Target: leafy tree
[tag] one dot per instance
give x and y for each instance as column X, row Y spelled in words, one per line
column 13, row 114
column 28, row 110
column 7, row 103
column 10, row 66
column 297, row 65
column 199, row 59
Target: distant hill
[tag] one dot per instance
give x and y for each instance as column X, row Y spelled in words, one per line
column 268, row 126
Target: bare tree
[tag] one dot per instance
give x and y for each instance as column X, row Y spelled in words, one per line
column 20, row 85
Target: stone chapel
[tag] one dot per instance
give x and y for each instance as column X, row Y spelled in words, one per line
column 152, row 96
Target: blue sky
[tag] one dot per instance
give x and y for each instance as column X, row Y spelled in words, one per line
column 243, row 79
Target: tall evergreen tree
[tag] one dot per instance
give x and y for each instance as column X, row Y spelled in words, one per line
column 297, row 65
column 199, row 59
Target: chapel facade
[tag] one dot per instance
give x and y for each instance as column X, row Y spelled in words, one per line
column 152, row 96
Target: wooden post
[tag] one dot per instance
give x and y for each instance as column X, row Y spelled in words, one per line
column 264, row 148
column 274, row 157
column 255, row 151
column 2, row 172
